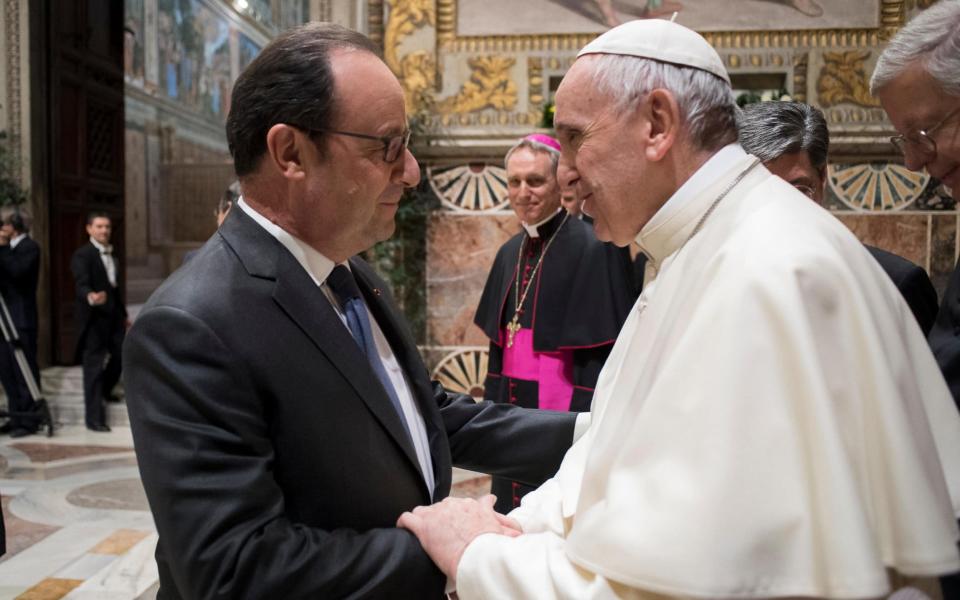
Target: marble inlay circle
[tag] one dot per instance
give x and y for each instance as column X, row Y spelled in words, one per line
column 463, row 371
column 876, row 186
column 475, row 187
column 119, row 494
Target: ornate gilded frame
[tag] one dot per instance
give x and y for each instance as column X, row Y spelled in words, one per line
column 492, row 85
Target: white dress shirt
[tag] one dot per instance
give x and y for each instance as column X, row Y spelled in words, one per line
column 106, row 256
column 318, row 267
column 16, row 240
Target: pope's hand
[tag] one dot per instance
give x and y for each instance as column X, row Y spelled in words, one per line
column 446, row 529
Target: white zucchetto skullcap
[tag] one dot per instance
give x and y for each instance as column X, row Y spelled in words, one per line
column 660, row 40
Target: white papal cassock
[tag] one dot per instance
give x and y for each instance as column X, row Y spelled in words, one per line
column 771, row 422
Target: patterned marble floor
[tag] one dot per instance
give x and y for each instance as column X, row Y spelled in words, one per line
column 77, row 520
column 78, row 524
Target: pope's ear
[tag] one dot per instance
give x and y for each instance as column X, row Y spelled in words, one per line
column 663, row 113
column 285, row 150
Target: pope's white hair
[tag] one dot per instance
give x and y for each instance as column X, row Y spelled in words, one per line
column 933, row 39
column 706, row 102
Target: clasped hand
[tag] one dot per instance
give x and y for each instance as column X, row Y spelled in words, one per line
column 446, row 529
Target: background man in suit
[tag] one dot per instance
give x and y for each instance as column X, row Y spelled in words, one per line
column 101, row 319
column 19, row 271
column 792, row 140
column 282, row 416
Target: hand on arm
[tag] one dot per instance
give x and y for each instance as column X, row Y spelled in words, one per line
column 446, row 529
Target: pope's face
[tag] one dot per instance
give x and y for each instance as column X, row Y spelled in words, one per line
column 914, row 101
column 797, row 170
column 602, row 157
column 532, row 185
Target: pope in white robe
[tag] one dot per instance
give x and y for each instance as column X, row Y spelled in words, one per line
column 770, row 422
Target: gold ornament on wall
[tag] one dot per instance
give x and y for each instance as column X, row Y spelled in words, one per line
column 463, row 371
column 876, row 186
column 844, row 79
column 416, row 70
column 490, row 86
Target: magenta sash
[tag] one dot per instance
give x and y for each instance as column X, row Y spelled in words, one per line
column 553, row 371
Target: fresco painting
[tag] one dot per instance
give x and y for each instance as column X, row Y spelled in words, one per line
column 538, row 17
column 195, row 56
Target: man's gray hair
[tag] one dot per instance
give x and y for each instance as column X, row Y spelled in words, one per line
column 933, row 38
column 706, row 102
column 536, row 147
column 768, row 130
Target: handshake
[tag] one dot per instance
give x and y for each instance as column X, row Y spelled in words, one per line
column 446, row 528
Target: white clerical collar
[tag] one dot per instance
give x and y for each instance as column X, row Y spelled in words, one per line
column 666, row 231
column 532, row 229
column 317, row 266
column 16, row 240
column 108, row 249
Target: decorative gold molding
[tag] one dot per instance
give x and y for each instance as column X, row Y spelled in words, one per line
column 490, row 86
column 892, row 17
column 536, row 98
column 12, row 52
column 800, row 64
column 375, row 21
column 417, row 70
column 843, row 79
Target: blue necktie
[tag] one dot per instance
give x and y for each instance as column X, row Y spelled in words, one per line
column 344, row 286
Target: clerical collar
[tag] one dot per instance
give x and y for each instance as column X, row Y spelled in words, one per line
column 317, row 266
column 545, row 227
column 666, row 231
column 16, row 240
column 108, row 249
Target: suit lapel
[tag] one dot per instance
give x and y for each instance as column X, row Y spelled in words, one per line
column 409, row 358
column 306, row 304
column 102, row 279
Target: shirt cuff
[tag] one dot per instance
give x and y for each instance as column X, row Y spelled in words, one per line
column 581, row 425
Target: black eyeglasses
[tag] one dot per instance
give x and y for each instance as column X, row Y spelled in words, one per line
column 921, row 143
column 393, row 145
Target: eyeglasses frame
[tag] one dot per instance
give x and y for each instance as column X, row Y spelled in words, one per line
column 930, row 145
column 386, row 140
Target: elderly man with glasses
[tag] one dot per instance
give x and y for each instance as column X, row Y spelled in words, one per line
column 917, row 80
column 282, row 416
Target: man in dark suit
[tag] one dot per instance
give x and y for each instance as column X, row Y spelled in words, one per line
column 101, row 319
column 282, row 416
column 19, row 272
column 792, row 140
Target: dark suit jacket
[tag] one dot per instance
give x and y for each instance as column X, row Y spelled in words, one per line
column 945, row 336
column 19, row 271
column 914, row 285
column 90, row 275
column 273, row 461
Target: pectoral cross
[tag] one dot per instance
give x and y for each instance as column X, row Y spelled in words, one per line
column 512, row 328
